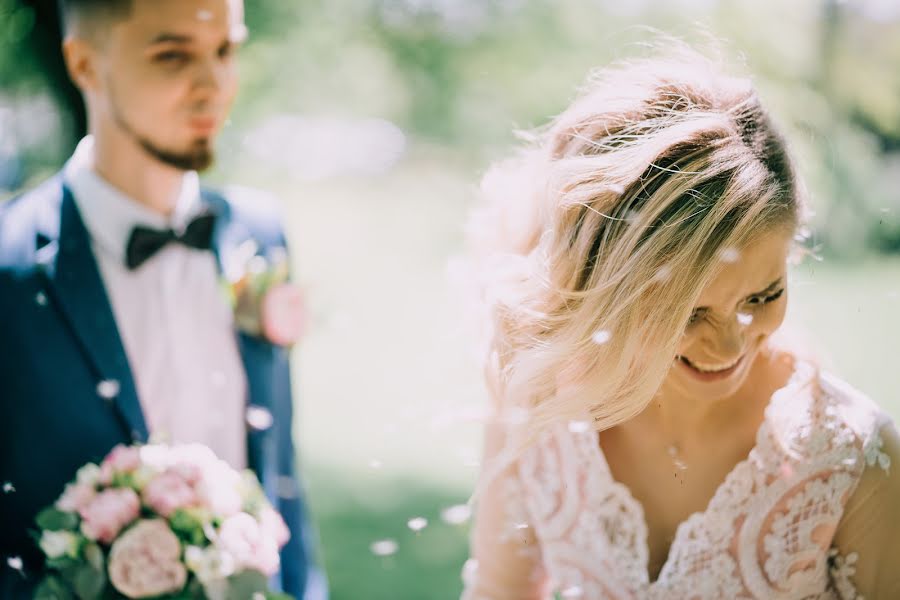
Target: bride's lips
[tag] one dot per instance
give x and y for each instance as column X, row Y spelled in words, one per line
column 708, row 375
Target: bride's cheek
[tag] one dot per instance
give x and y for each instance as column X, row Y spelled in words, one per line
column 771, row 318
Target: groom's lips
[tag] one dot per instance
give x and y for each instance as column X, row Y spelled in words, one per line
column 203, row 125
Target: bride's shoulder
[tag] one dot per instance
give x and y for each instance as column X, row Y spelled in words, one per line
column 823, row 414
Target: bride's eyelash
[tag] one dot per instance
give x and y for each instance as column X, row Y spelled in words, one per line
column 766, row 299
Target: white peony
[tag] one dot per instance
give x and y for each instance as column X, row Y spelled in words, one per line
column 88, row 475
column 59, row 543
column 209, row 564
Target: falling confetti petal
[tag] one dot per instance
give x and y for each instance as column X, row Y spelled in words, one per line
column 384, row 547
column 41, row 299
column 572, row 592
column 729, row 255
column 14, row 563
column 417, row 524
column 259, row 418
column 601, row 337
column 744, row 318
column 579, row 426
column 456, row 515
column 616, row 188
column 664, row 273
column 108, row 389
column 8, row 488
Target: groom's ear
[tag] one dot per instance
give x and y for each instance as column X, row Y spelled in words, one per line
column 80, row 56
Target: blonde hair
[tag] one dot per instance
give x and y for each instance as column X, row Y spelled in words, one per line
column 599, row 236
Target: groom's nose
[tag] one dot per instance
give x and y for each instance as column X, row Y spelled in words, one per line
column 213, row 77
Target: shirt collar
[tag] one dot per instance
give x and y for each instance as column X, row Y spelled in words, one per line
column 110, row 215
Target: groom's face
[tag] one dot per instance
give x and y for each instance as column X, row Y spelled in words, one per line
column 165, row 76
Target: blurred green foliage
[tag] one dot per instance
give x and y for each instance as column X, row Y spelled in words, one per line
column 459, row 75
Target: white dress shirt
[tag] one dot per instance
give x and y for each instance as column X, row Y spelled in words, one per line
column 175, row 324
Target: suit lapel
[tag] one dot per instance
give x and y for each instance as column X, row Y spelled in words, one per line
column 233, row 244
column 73, row 279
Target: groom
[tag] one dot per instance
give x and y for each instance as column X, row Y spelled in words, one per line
column 113, row 326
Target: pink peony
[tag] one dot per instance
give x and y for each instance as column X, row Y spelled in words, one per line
column 282, row 314
column 146, row 561
column 242, row 537
column 76, row 497
column 122, row 459
column 220, row 490
column 168, row 492
column 108, row 512
column 273, row 526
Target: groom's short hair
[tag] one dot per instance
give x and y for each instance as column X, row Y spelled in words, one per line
column 90, row 18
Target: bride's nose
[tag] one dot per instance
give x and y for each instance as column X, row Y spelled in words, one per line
column 726, row 340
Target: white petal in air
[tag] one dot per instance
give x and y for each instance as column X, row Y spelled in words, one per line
column 14, row 563
column 384, row 547
column 744, row 319
column 663, row 274
column 456, row 515
column 259, row 418
column 579, row 426
column 108, row 389
column 417, row 524
column 601, row 337
column 729, row 255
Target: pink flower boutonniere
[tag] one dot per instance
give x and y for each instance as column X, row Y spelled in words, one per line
column 265, row 303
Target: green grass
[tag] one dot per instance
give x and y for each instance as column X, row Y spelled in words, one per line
column 387, row 373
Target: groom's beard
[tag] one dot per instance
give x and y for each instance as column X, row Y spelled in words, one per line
column 198, row 157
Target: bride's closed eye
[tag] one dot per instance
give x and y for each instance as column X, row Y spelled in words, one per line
column 702, row 312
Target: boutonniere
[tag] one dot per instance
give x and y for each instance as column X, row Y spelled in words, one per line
column 264, row 301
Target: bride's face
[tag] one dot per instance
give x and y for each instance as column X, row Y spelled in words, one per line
column 734, row 317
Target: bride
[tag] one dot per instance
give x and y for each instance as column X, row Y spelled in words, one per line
column 652, row 439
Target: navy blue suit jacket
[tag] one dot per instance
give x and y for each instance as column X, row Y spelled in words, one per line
column 58, row 340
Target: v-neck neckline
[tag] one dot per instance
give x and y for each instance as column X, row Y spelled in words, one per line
column 802, row 372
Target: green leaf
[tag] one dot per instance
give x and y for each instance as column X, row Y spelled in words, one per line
column 246, row 583
column 51, row 519
column 89, row 582
column 278, row 596
column 53, row 588
column 188, row 525
column 61, row 563
column 94, row 556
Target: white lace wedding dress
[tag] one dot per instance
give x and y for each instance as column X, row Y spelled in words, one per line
column 556, row 522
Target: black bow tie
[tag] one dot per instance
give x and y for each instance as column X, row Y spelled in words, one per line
column 144, row 242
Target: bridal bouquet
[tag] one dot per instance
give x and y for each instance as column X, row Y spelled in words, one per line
column 163, row 522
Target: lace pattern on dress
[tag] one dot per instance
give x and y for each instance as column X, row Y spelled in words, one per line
column 765, row 533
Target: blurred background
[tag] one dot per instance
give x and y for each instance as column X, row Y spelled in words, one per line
column 372, row 121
